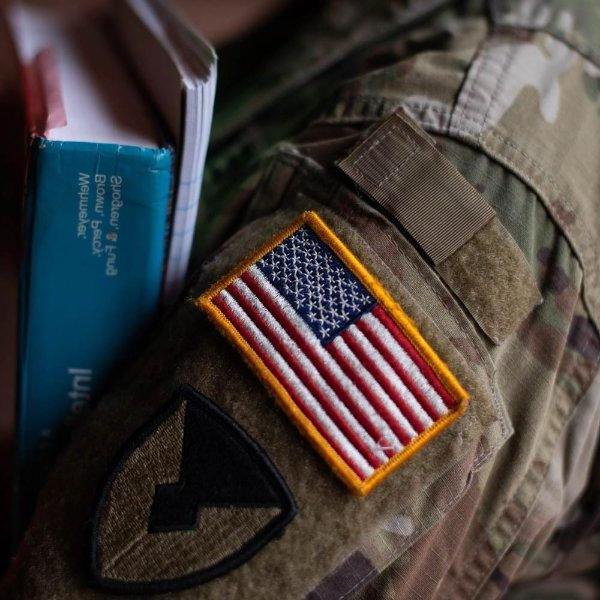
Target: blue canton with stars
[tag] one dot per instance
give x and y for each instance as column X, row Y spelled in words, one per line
column 324, row 292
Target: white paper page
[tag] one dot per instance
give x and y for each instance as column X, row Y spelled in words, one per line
column 186, row 104
column 101, row 102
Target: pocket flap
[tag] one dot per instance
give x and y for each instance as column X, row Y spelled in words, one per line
column 401, row 171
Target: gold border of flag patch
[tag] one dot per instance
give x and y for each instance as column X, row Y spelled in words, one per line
column 283, row 398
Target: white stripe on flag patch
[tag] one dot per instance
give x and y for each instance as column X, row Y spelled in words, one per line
column 406, row 362
column 339, row 344
column 357, row 402
column 386, row 372
column 321, row 417
column 307, row 372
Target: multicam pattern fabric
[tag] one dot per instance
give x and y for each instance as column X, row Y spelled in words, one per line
column 518, row 94
column 510, row 91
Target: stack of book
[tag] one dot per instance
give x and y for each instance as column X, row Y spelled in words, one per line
column 119, row 110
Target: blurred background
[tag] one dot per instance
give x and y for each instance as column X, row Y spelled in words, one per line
column 12, row 159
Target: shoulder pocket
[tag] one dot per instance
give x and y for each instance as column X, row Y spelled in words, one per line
column 399, row 169
column 430, row 483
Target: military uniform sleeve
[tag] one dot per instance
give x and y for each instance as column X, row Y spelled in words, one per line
column 368, row 385
column 309, row 395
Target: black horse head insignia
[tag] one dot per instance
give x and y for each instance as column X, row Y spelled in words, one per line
column 191, row 497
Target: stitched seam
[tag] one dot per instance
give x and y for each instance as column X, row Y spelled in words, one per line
column 374, row 144
column 508, row 59
column 463, row 105
column 557, row 188
column 400, row 166
column 487, row 58
column 537, row 166
column 531, row 478
column 393, row 129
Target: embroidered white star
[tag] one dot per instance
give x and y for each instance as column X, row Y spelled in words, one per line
column 315, row 282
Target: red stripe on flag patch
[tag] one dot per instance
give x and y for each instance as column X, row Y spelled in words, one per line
column 341, row 356
column 352, row 369
column 322, row 393
column 295, row 391
column 376, row 371
column 423, row 366
column 331, row 372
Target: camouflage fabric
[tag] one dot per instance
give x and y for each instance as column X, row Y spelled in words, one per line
column 507, row 501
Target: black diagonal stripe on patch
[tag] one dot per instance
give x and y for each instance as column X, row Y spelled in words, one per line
column 191, row 497
column 218, row 468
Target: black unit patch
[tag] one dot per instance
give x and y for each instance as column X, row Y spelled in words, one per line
column 191, row 497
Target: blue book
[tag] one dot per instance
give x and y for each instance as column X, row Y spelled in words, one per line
column 97, row 206
column 92, row 275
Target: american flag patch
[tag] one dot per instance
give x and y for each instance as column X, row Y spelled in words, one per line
column 344, row 361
